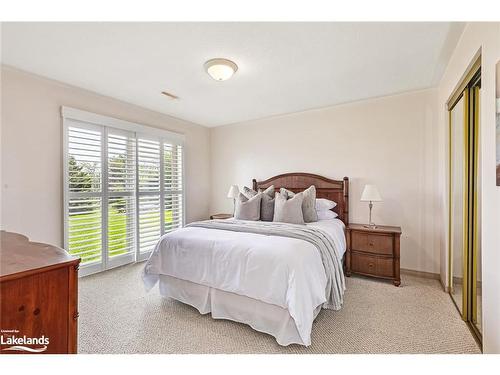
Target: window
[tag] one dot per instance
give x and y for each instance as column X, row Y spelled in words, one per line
column 123, row 188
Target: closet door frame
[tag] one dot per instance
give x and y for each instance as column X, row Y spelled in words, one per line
column 468, row 89
column 465, row 224
column 474, row 240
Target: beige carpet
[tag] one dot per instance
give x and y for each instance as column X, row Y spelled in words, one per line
column 117, row 316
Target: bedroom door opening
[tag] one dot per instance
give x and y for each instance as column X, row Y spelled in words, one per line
column 464, row 258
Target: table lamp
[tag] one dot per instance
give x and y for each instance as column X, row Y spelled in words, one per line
column 233, row 193
column 370, row 194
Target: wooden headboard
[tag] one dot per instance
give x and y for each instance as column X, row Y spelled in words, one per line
column 335, row 190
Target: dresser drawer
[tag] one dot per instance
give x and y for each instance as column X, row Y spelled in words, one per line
column 372, row 243
column 372, row 265
column 37, row 305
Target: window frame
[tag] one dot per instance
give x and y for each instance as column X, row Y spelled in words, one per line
column 91, row 120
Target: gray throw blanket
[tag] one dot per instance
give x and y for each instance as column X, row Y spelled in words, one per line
column 335, row 286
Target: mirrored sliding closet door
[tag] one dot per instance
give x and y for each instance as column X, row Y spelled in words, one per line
column 464, row 260
column 457, row 202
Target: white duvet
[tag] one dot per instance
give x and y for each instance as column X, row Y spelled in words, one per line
column 283, row 271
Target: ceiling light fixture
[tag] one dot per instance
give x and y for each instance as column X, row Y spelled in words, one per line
column 220, row 69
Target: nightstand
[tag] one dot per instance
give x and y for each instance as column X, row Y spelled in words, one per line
column 221, row 216
column 373, row 251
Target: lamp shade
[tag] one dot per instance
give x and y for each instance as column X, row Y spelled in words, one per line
column 370, row 193
column 233, row 191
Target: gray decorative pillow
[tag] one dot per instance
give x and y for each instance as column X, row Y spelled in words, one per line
column 249, row 193
column 247, row 209
column 267, row 203
column 269, row 191
column 288, row 210
column 287, row 193
column 308, row 204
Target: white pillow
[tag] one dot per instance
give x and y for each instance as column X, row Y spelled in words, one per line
column 323, row 204
column 326, row 215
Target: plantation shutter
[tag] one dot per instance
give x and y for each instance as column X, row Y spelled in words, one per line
column 123, row 188
column 172, row 155
column 83, row 235
column 121, row 181
column 149, row 194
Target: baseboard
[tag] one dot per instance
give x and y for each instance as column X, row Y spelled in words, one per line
column 459, row 280
column 425, row 275
column 445, row 288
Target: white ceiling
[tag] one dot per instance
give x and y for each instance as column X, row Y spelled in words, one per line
column 283, row 67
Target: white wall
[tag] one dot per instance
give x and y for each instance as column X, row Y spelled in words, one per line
column 388, row 141
column 477, row 38
column 31, row 151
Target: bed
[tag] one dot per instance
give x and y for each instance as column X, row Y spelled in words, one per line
column 273, row 277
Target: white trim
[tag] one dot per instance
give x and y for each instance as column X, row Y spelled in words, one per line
column 184, row 185
column 137, row 221
column 105, row 198
column 120, row 260
column 162, row 189
column 94, row 118
column 90, row 268
column 65, row 175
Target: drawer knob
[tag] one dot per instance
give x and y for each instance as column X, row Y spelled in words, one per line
column 21, row 308
column 36, row 311
column 370, row 243
column 370, row 264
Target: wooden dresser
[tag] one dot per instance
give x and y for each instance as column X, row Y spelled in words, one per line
column 39, row 297
column 373, row 251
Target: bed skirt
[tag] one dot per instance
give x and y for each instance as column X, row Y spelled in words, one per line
column 263, row 317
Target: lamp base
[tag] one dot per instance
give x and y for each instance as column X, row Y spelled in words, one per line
column 371, row 224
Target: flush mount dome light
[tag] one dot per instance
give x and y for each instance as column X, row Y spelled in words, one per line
column 220, row 69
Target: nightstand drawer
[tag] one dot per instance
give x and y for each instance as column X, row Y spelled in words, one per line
column 372, row 243
column 372, row 265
